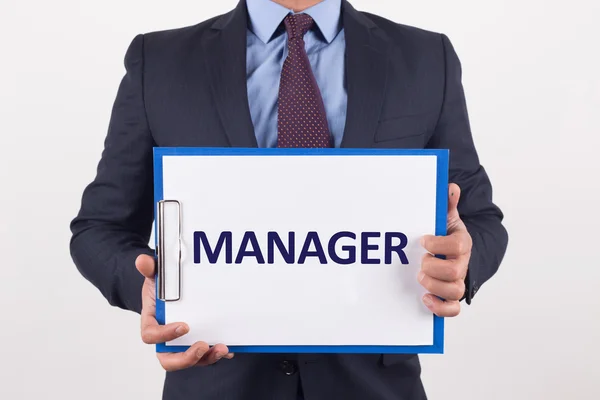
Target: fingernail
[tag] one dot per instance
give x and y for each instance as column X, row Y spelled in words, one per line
column 229, row 356
column 421, row 276
column 427, row 301
column 180, row 330
column 218, row 356
column 200, row 353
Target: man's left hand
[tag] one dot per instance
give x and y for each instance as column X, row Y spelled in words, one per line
column 445, row 279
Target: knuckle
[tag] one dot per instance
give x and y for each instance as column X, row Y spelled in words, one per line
column 453, row 311
column 203, row 349
column 169, row 368
column 432, row 287
column 469, row 242
column 449, row 308
column 426, row 261
column 454, row 271
column 459, row 290
column 453, row 295
column 463, row 270
column 431, row 244
column 426, row 242
column 147, row 337
column 163, row 363
column 426, row 283
column 459, row 246
column 456, row 309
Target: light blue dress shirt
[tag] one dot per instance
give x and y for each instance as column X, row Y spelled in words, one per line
column 267, row 50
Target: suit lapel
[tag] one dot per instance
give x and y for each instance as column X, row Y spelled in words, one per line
column 366, row 74
column 225, row 56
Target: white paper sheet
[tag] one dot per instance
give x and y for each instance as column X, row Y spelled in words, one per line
column 313, row 303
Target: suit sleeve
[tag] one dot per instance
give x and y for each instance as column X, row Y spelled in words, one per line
column 114, row 222
column 476, row 208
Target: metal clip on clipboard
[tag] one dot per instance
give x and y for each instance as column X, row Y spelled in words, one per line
column 162, row 252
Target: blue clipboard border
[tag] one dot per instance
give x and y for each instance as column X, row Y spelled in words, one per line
column 440, row 229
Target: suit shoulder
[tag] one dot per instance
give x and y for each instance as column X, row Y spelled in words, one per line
column 177, row 36
column 405, row 34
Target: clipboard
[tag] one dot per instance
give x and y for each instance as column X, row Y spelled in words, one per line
column 228, row 219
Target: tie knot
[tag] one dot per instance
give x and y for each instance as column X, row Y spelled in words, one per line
column 297, row 25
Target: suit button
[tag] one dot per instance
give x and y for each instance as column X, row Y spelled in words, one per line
column 287, row 367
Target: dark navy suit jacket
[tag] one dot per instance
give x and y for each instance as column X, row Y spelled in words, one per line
column 187, row 87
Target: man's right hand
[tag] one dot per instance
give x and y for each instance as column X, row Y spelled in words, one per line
column 199, row 354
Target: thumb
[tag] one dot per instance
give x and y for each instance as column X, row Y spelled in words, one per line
column 453, row 198
column 146, row 265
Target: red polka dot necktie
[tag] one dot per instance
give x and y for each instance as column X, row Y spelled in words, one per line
column 301, row 120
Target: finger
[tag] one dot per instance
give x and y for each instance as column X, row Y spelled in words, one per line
column 146, row 265
column 445, row 290
column 149, row 297
column 153, row 333
column 454, row 222
column 189, row 358
column 453, row 245
column 449, row 270
column 453, row 198
column 215, row 353
column 440, row 307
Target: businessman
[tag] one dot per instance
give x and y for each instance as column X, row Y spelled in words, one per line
column 285, row 73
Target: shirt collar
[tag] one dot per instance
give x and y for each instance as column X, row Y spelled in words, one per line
column 266, row 16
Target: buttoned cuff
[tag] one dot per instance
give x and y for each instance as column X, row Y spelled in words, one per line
column 471, row 284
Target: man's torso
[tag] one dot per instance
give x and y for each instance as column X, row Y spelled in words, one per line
column 195, row 94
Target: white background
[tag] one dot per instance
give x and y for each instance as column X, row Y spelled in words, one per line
column 531, row 78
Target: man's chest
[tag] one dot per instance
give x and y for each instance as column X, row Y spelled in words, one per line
column 198, row 107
